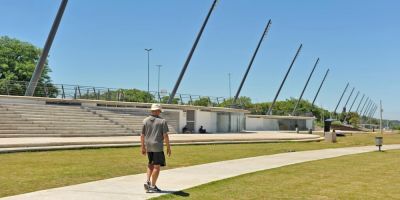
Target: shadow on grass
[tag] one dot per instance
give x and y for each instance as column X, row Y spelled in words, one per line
column 177, row 193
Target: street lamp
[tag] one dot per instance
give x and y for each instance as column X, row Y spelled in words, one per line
column 230, row 91
column 158, row 88
column 148, row 69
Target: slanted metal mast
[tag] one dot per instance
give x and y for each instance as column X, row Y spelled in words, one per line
column 304, row 89
column 344, row 91
column 251, row 61
column 320, row 86
column 284, row 80
column 345, row 105
column 363, row 106
column 359, row 104
column 30, row 90
column 368, row 107
column 178, row 82
column 370, row 112
column 352, row 104
column 373, row 111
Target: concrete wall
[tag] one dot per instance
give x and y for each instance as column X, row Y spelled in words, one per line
column 310, row 124
column 261, row 124
column 230, row 122
column 278, row 123
column 206, row 119
column 182, row 120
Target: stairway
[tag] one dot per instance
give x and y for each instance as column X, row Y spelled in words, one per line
column 131, row 118
column 33, row 120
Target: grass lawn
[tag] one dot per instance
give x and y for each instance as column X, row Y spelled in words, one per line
column 372, row 175
column 32, row 171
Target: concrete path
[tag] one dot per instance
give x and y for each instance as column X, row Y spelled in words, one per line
column 131, row 187
column 52, row 143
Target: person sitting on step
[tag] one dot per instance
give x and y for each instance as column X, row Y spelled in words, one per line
column 202, row 130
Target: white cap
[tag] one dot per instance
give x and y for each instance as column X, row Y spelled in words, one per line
column 156, row 107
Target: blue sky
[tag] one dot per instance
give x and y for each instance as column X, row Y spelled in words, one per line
column 101, row 43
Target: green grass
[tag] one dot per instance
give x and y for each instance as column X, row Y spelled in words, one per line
column 32, row 171
column 373, row 175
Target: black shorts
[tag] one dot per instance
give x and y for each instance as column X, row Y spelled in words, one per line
column 156, row 158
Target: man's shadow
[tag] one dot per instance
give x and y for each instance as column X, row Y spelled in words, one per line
column 177, row 193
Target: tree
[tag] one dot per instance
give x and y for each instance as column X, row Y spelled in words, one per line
column 353, row 118
column 243, row 102
column 203, row 101
column 165, row 99
column 17, row 63
column 128, row 95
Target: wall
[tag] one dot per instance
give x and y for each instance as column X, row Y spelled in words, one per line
column 310, row 124
column 261, row 124
column 230, row 122
column 182, row 120
column 206, row 119
column 278, row 124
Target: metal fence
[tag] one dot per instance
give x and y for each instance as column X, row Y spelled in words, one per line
column 67, row 91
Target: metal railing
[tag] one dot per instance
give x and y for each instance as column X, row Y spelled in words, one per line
column 68, row 91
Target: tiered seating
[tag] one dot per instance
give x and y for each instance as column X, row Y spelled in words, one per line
column 131, row 118
column 32, row 120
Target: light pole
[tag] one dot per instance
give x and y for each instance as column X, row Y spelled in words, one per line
column 230, row 91
column 148, row 69
column 158, row 88
column 380, row 121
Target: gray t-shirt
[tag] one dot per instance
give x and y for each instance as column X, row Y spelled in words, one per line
column 153, row 131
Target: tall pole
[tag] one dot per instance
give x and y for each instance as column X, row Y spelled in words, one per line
column 320, row 86
column 178, row 82
column 251, row 61
column 381, row 111
column 359, row 104
column 345, row 105
column 230, row 88
column 148, row 69
column 158, row 86
column 344, row 91
column 304, row 89
column 42, row 60
column 352, row 104
column 284, row 79
column 361, row 111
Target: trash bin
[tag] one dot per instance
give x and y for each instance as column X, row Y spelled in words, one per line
column 327, row 125
column 329, row 137
column 379, row 142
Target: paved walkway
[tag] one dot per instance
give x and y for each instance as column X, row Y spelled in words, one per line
column 131, row 187
column 52, row 143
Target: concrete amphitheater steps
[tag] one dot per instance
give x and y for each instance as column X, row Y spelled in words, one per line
column 58, row 127
column 130, row 118
column 31, row 120
column 65, row 135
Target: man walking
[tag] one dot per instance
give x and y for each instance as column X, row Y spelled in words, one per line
column 154, row 134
